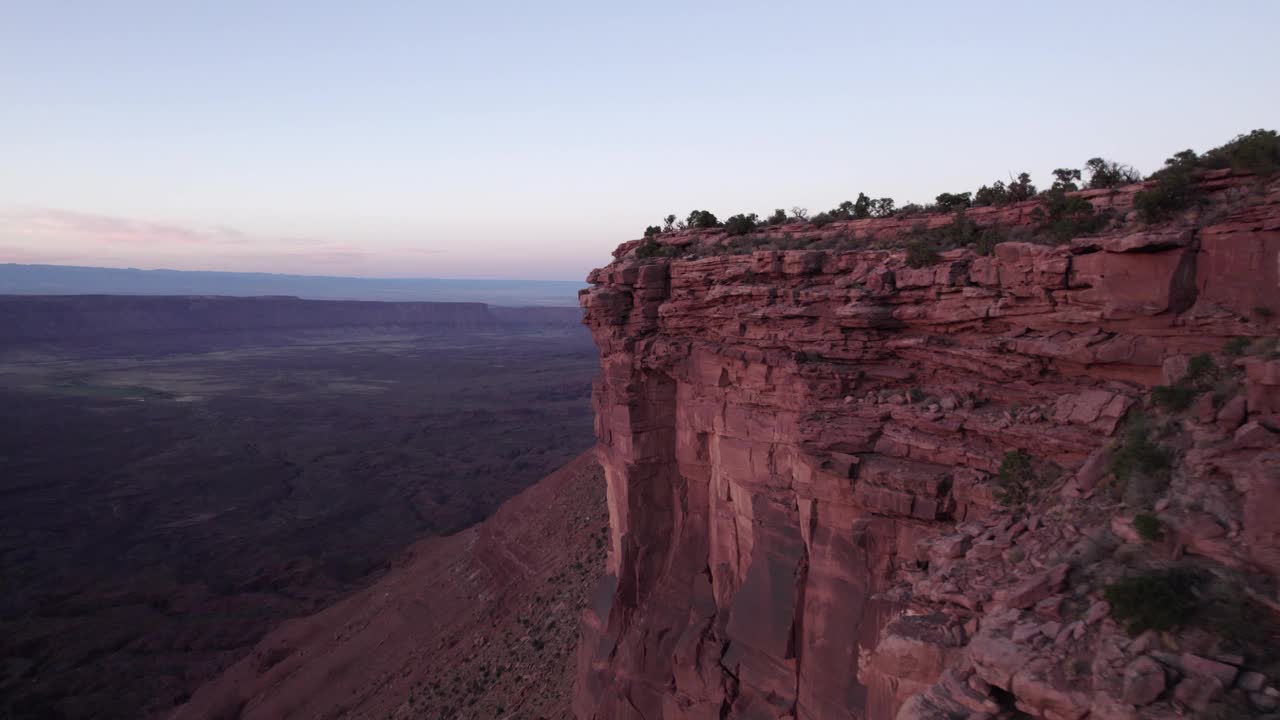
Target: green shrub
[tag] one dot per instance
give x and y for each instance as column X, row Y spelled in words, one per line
column 779, row 217
column 1064, row 218
column 822, row 219
column 1236, row 346
column 916, row 395
column 995, row 194
column 1140, row 466
column 1264, row 312
column 1258, row 152
column 1017, row 480
column 669, row 223
column 1148, row 526
column 1021, row 188
column 1108, row 174
column 702, row 219
column 1174, row 188
column 652, row 230
column 923, row 245
column 741, row 224
column 1174, row 397
column 1155, row 601
column 953, row 201
column 1064, row 180
column 862, row 207
column 651, row 249
column 1200, row 368
column 921, row 252
column 987, row 241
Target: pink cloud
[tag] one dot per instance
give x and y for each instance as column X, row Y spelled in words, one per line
column 66, row 237
column 66, row 225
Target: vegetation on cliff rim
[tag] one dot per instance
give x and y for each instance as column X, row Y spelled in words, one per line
column 1060, row 217
column 1173, row 186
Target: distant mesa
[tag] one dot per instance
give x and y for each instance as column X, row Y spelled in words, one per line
column 18, row 279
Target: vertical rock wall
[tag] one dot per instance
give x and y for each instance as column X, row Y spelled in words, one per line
column 781, row 429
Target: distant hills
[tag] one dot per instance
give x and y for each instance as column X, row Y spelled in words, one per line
column 18, row 279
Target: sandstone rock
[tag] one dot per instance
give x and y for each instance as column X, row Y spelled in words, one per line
column 1105, row 707
column 1254, row 435
column 997, row 659
column 1252, row 681
column 1197, row 693
column 1124, row 529
column 1233, row 413
column 722, row 405
column 1264, row 702
column 950, row 547
column 1094, row 468
column 1262, row 385
column 1202, row 409
column 1035, row 588
column 1175, row 368
column 1145, row 642
column 1050, row 607
column 1195, row 665
column 1144, row 681
column 1097, row 612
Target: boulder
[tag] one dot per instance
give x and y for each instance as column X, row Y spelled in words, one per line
column 1144, row 681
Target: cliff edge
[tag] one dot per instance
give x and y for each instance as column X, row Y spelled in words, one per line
column 843, row 484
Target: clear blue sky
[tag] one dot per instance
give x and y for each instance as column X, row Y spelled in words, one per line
column 522, row 139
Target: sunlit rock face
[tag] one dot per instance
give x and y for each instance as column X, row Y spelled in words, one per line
column 797, row 443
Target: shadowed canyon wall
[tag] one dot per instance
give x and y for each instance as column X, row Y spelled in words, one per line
column 784, row 433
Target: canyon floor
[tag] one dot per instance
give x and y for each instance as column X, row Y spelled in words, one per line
column 170, row 498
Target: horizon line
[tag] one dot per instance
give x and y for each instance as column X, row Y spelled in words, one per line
column 280, row 274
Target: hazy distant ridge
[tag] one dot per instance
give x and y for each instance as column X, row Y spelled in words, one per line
column 26, row 318
column 75, row 280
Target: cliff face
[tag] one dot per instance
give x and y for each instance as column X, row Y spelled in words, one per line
column 801, row 451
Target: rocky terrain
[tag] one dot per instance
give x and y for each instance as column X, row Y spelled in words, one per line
column 1005, row 479
column 181, row 475
column 481, row 624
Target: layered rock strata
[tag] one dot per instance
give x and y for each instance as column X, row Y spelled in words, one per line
column 801, row 451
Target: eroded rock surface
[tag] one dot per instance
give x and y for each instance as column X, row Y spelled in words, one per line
column 801, row 452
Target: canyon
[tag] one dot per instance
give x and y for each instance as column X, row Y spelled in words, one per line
column 834, row 477
column 845, row 485
column 180, row 475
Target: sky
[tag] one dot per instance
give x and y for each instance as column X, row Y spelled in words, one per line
column 526, row 140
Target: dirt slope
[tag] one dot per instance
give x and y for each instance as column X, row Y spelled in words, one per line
column 480, row 624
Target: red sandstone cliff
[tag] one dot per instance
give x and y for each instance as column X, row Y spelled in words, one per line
column 801, row 450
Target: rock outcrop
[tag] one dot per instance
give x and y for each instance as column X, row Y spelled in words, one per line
column 803, row 453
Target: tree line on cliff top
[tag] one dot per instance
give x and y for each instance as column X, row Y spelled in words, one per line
column 1171, row 188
